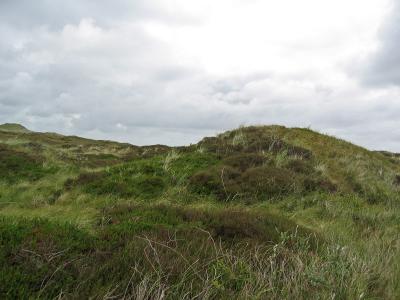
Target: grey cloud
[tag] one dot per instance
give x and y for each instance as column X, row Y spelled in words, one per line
column 56, row 13
column 383, row 67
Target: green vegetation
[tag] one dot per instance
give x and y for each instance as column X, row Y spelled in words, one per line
column 13, row 127
column 16, row 165
column 263, row 212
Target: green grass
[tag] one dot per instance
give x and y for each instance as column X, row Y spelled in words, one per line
column 16, row 166
column 262, row 212
column 13, row 127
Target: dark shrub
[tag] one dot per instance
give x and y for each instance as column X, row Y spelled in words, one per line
column 300, row 166
column 69, row 184
column 217, row 181
column 149, row 186
column 260, row 145
column 30, row 251
column 244, row 161
column 299, row 151
column 213, row 145
column 396, row 180
column 17, row 165
column 255, row 183
column 275, row 146
column 226, row 224
column 263, row 182
column 97, row 160
column 54, row 197
column 204, row 182
column 100, row 183
column 83, row 179
column 375, row 194
column 143, row 186
column 312, row 183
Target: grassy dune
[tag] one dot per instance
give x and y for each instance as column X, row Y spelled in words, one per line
column 262, row 212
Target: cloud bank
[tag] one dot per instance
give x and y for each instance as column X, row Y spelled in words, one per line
column 173, row 71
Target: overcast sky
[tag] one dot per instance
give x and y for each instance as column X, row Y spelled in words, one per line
column 173, row 71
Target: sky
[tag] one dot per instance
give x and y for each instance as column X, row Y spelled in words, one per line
column 174, row 71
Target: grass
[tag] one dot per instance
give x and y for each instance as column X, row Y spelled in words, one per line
column 169, row 252
column 13, row 127
column 261, row 212
column 17, row 165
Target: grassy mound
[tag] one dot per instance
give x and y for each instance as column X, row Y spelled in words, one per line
column 12, row 127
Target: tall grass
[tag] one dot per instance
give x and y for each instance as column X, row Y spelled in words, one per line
column 183, row 264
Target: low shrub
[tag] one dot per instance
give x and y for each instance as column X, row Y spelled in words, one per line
column 140, row 186
column 313, row 183
column 300, row 166
column 17, row 165
column 227, row 224
column 265, row 182
column 244, row 161
column 396, row 180
column 255, row 183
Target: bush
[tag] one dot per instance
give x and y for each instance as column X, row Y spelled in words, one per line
column 244, row 161
column 265, row 182
column 216, row 181
column 141, row 186
column 227, row 224
column 38, row 257
column 396, row 180
column 258, row 183
column 16, row 166
column 314, row 183
column 300, row 166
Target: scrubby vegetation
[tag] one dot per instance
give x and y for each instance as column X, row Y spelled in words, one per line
column 261, row 212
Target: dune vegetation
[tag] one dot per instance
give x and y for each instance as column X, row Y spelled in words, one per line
column 260, row 212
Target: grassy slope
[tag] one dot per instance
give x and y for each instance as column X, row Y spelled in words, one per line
column 258, row 212
column 12, row 127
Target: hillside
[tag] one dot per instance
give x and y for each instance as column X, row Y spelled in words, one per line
column 13, row 127
column 260, row 212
